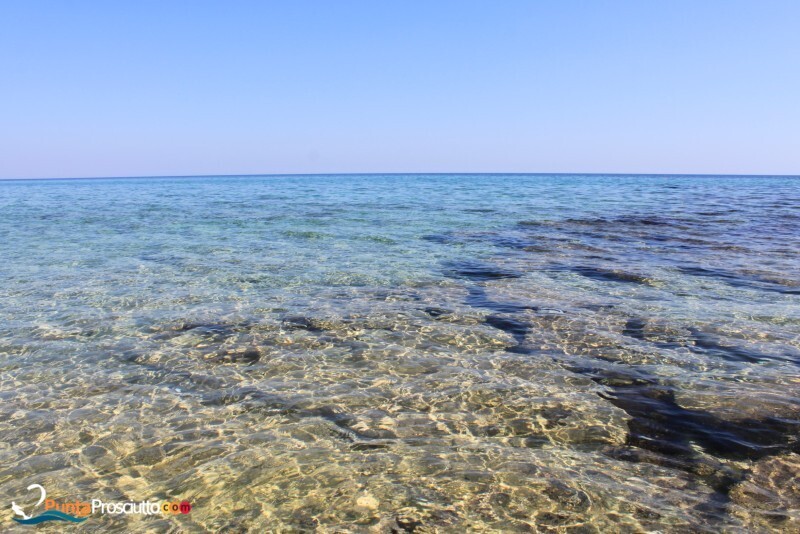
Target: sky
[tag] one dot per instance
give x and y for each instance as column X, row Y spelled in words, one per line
column 154, row 88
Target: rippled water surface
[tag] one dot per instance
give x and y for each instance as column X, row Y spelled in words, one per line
column 405, row 353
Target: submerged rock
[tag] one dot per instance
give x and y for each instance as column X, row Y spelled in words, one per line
column 769, row 497
column 479, row 271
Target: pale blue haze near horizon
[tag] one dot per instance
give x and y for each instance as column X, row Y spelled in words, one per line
column 183, row 88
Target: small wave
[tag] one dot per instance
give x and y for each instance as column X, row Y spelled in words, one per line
column 305, row 234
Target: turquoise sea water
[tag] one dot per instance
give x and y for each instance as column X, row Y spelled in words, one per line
column 444, row 352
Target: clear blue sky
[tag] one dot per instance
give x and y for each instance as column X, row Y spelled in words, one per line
column 233, row 87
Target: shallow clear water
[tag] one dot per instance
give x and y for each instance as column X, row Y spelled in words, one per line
column 429, row 353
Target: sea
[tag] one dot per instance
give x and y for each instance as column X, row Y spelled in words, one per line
column 404, row 353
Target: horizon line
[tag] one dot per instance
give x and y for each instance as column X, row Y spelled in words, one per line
column 254, row 175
